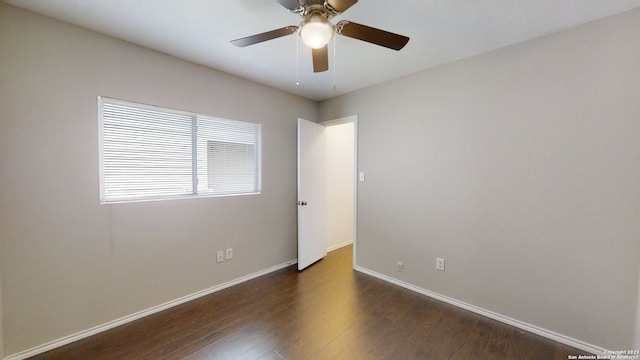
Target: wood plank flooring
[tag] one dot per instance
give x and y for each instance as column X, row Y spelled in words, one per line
column 328, row 311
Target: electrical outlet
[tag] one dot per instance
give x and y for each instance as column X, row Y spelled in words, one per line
column 440, row 264
column 400, row 266
column 229, row 254
column 220, row 256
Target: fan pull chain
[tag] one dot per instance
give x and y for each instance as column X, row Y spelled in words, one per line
column 335, row 90
column 297, row 60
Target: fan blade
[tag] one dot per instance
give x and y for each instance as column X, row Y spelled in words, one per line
column 269, row 35
column 341, row 5
column 290, row 4
column 320, row 59
column 371, row 35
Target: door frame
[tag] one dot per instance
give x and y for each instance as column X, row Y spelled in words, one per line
column 345, row 120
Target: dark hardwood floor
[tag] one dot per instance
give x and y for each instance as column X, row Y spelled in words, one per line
column 325, row 312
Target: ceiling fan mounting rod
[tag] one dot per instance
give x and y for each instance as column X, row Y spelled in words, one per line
column 308, row 7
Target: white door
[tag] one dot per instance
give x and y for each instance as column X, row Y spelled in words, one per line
column 312, row 242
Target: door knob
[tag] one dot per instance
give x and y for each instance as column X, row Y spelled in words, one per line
column 301, row 203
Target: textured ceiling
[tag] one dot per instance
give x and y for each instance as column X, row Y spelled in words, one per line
column 441, row 31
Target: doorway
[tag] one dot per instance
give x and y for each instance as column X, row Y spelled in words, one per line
column 327, row 194
column 341, row 138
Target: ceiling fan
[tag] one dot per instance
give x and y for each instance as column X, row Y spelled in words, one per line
column 316, row 30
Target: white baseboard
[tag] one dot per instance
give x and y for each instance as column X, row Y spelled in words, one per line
column 129, row 318
column 336, row 247
column 490, row 314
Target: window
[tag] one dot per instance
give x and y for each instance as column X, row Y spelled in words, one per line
column 149, row 153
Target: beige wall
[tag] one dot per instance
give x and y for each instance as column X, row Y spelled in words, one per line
column 520, row 167
column 68, row 263
column 340, row 174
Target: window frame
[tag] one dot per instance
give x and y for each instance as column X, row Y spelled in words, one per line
column 195, row 173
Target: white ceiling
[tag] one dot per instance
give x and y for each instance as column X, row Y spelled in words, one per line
column 441, row 31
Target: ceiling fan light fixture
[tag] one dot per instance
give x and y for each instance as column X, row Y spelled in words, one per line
column 316, row 31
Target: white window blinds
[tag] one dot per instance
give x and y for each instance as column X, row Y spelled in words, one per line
column 227, row 156
column 148, row 152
